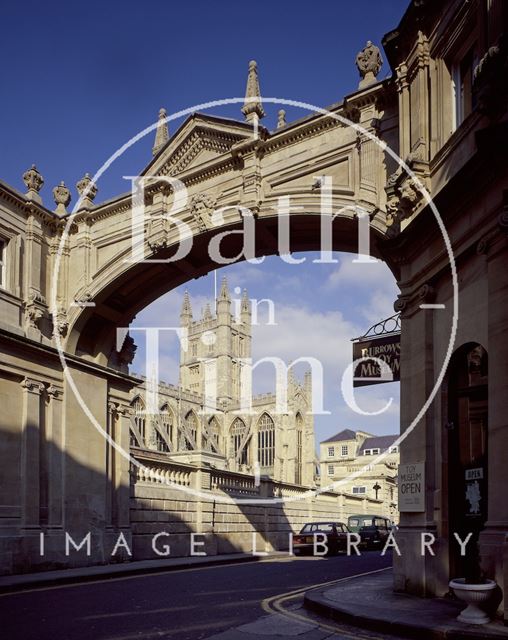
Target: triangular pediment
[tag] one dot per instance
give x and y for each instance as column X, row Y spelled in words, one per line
column 198, row 141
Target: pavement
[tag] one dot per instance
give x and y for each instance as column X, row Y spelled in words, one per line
column 368, row 602
column 22, row 581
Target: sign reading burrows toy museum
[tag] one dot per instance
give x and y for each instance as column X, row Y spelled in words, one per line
column 412, row 487
column 368, row 371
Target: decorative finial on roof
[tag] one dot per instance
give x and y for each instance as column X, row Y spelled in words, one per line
column 245, row 304
column 162, row 133
column 281, row 119
column 62, row 197
column 224, row 290
column 369, row 63
column 252, row 108
column 207, row 315
column 33, row 181
column 186, row 312
column 87, row 190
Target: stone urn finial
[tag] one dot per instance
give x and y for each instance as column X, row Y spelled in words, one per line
column 281, row 119
column 33, row 181
column 369, row 63
column 87, row 190
column 62, row 197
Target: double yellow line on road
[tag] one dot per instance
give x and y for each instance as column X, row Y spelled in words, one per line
column 275, row 604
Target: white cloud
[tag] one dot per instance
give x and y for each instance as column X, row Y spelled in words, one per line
column 371, row 275
column 317, row 312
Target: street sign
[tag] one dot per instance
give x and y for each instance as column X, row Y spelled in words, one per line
column 385, row 348
column 411, row 483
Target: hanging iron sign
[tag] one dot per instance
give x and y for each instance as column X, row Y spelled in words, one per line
column 377, row 354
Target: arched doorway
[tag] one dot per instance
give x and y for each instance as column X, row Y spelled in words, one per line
column 467, row 447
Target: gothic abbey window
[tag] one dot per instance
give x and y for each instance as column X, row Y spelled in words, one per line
column 266, row 441
column 299, row 448
column 238, row 433
column 166, row 427
column 211, row 439
column 137, row 435
column 190, row 432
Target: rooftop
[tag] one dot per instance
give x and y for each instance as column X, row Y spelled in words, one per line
column 378, row 442
column 345, row 434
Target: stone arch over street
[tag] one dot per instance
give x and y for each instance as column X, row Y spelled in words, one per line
column 61, row 472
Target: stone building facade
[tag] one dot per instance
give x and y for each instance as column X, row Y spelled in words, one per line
column 351, row 452
column 66, row 283
column 207, row 426
column 449, row 62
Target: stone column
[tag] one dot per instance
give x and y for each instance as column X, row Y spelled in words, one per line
column 110, row 462
column 121, row 468
column 404, row 119
column 413, row 572
column 30, row 452
column 494, row 538
column 55, row 446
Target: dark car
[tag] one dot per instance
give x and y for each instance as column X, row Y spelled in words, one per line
column 335, row 532
column 373, row 530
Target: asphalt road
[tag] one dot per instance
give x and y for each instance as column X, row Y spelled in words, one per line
column 185, row 604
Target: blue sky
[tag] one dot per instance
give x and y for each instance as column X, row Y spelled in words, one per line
column 80, row 80
column 318, row 309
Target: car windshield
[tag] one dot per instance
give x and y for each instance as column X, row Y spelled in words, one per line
column 317, row 526
column 356, row 523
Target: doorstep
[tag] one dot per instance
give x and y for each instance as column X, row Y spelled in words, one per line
column 370, row 602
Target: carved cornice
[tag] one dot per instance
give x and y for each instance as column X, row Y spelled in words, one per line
column 201, row 138
column 28, row 207
column 293, row 135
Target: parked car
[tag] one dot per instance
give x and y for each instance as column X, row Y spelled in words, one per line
column 336, row 537
column 373, row 530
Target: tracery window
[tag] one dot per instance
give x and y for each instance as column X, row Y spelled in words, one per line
column 238, row 433
column 190, row 432
column 139, row 420
column 212, row 438
column 299, row 448
column 266, row 441
column 166, row 426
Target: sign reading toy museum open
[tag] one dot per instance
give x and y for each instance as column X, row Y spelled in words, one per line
column 385, row 348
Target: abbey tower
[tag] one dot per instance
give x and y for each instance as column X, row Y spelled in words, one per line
column 215, row 347
column 204, row 419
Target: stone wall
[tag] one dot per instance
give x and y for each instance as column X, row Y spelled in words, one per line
column 178, row 500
